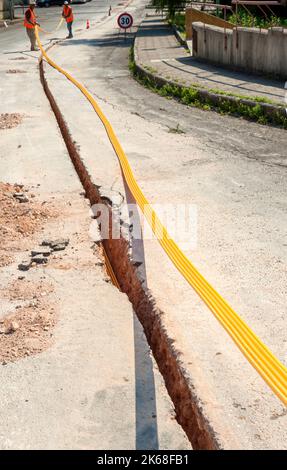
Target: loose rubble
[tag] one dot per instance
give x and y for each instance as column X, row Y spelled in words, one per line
column 21, row 197
column 29, row 330
column 41, row 251
column 21, row 215
column 8, row 121
column 55, row 243
column 16, row 71
column 39, row 259
column 40, row 254
column 24, row 266
column 9, row 327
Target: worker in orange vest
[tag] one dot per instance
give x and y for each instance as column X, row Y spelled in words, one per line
column 69, row 17
column 30, row 23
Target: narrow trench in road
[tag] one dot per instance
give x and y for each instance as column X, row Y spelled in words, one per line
column 185, row 401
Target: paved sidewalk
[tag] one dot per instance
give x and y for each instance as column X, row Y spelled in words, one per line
column 159, row 51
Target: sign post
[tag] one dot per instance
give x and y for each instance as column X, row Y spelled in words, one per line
column 125, row 21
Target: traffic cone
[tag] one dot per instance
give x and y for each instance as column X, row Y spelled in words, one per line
column 88, row 24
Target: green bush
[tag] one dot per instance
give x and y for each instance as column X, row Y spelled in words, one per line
column 256, row 21
column 170, row 5
column 191, row 96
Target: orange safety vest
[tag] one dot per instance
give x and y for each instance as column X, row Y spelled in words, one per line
column 32, row 19
column 68, row 13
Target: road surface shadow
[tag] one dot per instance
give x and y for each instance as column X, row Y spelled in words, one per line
column 108, row 41
column 146, row 410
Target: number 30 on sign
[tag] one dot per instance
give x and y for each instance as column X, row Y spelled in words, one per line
column 125, row 21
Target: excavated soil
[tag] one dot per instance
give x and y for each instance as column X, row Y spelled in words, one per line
column 24, row 289
column 19, row 220
column 28, row 329
column 8, row 121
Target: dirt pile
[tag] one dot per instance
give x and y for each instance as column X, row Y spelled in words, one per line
column 20, row 216
column 28, row 330
column 8, row 121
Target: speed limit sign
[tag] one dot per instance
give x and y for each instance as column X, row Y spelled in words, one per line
column 125, row 21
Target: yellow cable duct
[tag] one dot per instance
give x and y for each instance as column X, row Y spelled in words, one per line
column 110, row 270
column 54, row 30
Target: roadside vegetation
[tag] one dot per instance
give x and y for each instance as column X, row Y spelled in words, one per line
column 175, row 14
column 179, row 21
column 256, row 21
column 197, row 97
column 170, row 5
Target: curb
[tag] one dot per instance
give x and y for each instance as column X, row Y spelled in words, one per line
column 276, row 115
column 178, row 36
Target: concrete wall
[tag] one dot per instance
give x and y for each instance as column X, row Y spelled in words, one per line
column 247, row 49
column 4, row 9
column 192, row 15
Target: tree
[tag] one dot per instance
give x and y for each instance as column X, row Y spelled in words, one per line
column 171, row 5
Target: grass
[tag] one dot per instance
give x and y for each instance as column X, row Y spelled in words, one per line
column 243, row 19
column 191, row 96
column 150, row 69
column 179, row 21
column 259, row 99
column 257, row 21
column 176, row 130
